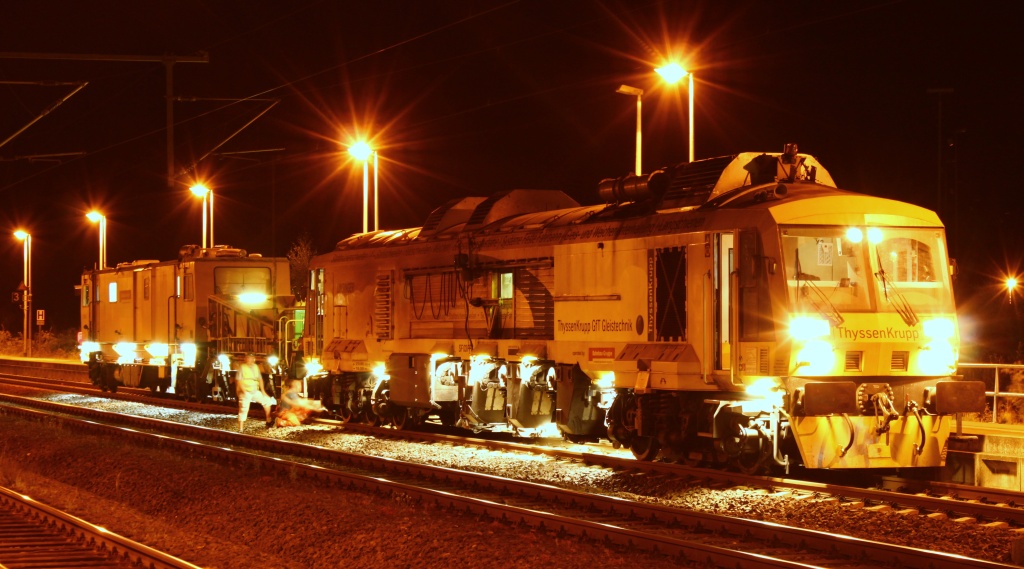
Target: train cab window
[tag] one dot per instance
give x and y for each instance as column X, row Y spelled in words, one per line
column 112, row 292
column 906, row 260
column 829, row 259
column 912, row 262
column 236, row 280
column 145, row 288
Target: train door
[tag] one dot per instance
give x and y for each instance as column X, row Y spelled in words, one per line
column 722, row 294
column 316, row 322
column 339, row 321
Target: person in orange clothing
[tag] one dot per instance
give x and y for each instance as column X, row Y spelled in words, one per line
column 249, row 387
column 294, row 408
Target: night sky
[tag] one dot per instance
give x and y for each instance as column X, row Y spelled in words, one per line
column 917, row 101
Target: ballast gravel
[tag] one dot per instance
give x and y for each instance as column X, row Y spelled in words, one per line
column 215, row 516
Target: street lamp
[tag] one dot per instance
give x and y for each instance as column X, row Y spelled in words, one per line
column 1011, row 286
column 639, row 94
column 362, row 151
column 201, row 191
column 97, row 217
column 672, row 73
column 26, row 238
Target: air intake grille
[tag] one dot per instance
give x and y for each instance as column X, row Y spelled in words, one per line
column 899, row 361
column 762, row 361
column 382, row 306
column 854, row 361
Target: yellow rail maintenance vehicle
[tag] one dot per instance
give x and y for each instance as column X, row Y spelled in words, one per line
column 175, row 326
column 739, row 311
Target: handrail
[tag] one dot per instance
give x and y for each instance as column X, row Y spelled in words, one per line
column 995, row 393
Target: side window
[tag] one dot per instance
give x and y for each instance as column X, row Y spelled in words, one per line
column 112, row 292
column 145, row 288
column 190, row 291
column 502, row 286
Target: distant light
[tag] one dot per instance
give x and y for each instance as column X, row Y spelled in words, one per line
column 855, row 235
column 94, row 216
column 360, row 150
column 200, row 190
column 21, row 235
column 272, row 361
column 1011, row 284
column 672, row 73
column 224, row 360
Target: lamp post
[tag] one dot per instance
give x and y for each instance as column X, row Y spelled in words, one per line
column 639, row 94
column 201, row 191
column 26, row 238
column 672, row 73
column 362, row 151
column 97, row 217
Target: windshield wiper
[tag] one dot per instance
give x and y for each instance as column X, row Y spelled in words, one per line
column 897, row 300
column 818, row 299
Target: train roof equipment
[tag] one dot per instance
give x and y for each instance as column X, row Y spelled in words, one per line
column 709, row 183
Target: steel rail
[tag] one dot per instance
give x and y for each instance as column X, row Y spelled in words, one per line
column 979, row 504
column 49, row 537
column 758, row 531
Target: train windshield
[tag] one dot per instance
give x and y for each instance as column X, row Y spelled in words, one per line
column 910, row 266
column 838, row 269
column 238, row 280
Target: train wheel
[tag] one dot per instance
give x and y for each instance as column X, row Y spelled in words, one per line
column 750, row 463
column 448, row 416
column 577, row 439
column 645, row 448
column 400, row 418
column 345, row 415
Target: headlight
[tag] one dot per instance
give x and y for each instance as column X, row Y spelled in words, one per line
column 606, row 380
column 938, row 328
column 313, row 367
column 816, row 358
column 188, row 352
column 937, row 358
column 808, row 328
column 766, row 389
column 252, row 298
column 125, row 352
column 87, row 348
column 157, row 350
column 272, row 361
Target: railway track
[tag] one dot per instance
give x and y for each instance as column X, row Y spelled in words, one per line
column 34, row 535
column 719, row 541
column 968, row 504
